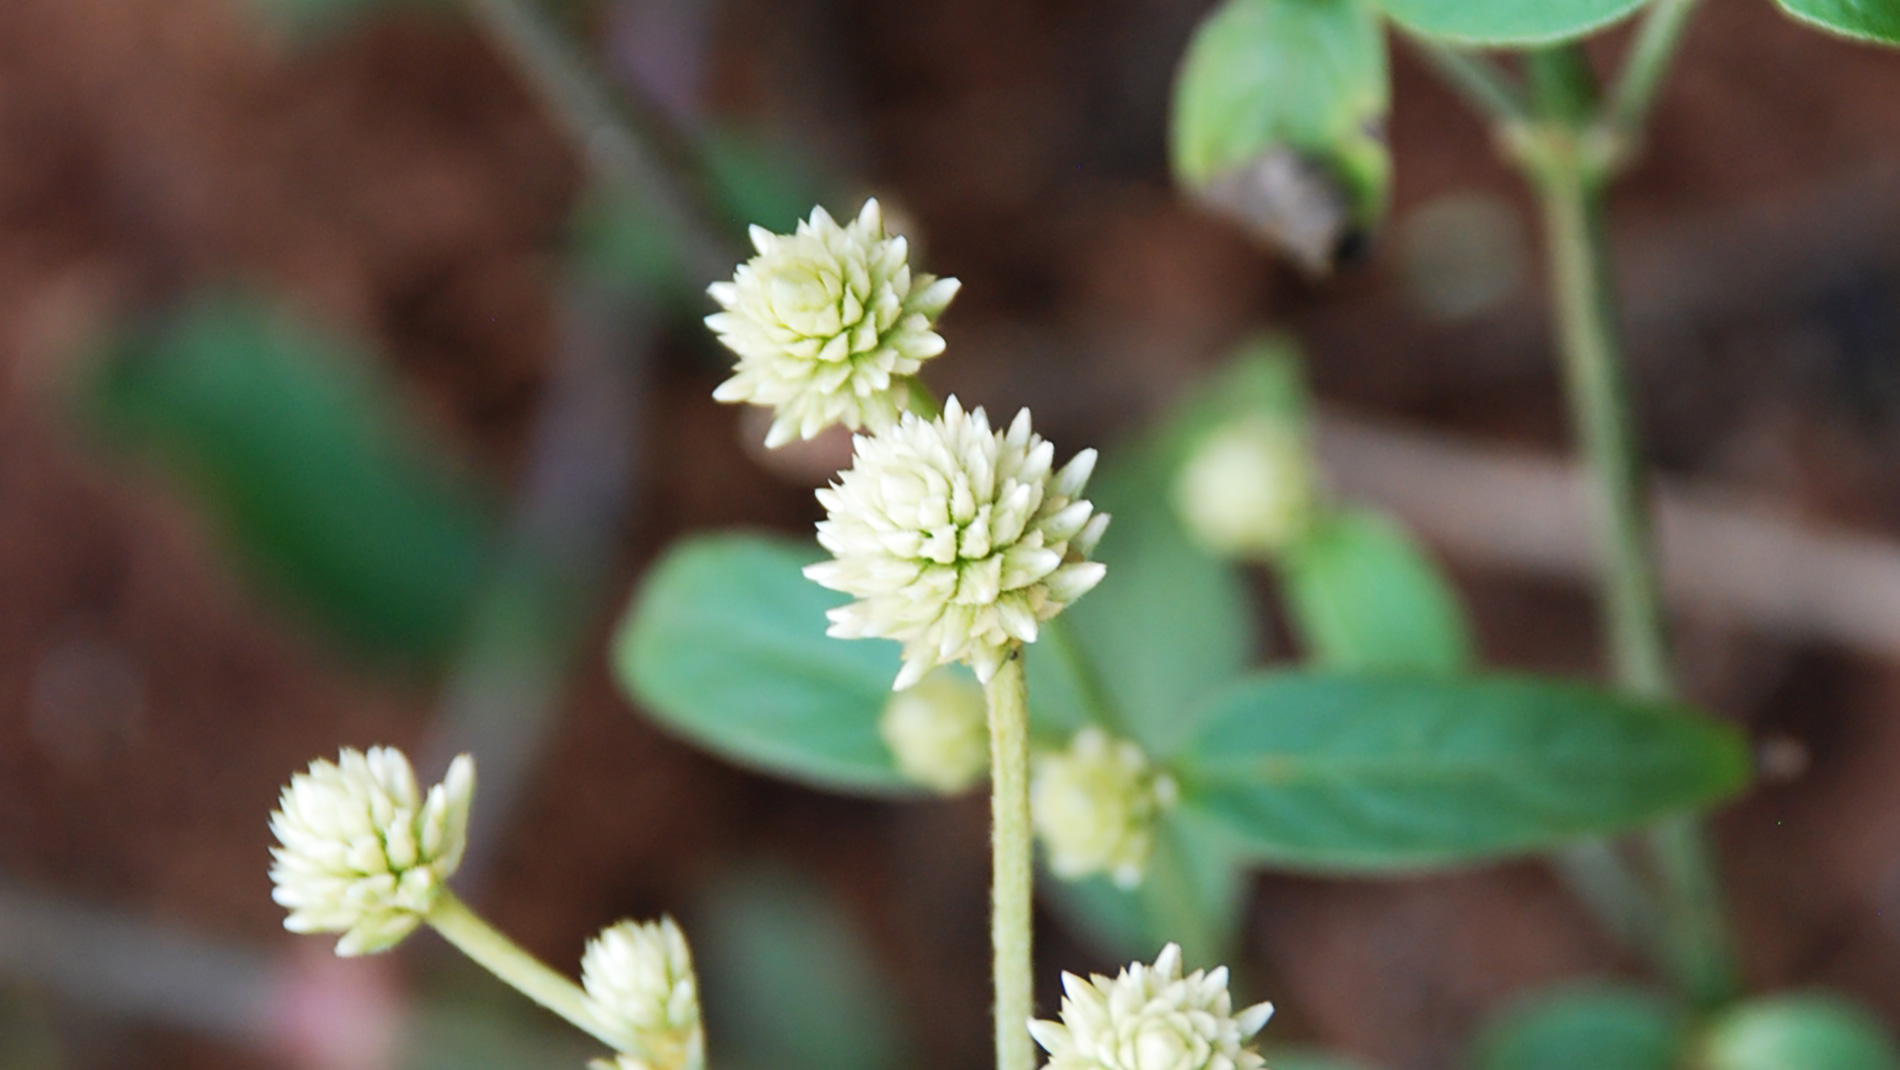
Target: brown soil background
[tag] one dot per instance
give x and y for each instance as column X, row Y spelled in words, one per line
column 396, row 178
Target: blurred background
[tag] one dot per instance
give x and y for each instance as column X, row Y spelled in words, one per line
column 339, row 407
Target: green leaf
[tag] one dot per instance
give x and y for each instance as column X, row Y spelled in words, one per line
column 301, row 454
column 1304, row 1058
column 1592, row 1027
column 1867, row 20
column 726, row 644
column 1798, row 1032
column 1278, row 99
column 1192, row 895
column 789, row 979
column 1359, row 774
column 1168, row 629
column 1363, row 595
column 1507, row 22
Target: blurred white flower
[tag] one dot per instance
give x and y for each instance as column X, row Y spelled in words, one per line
column 829, row 325
column 939, row 731
column 1247, row 489
column 642, row 990
column 362, row 851
column 955, row 540
column 1151, row 1018
column 1095, row 805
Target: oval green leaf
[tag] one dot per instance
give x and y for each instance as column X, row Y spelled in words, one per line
column 726, row 644
column 1507, row 22
column 1809, row 1032
column 1585, row 1028
column 1361, row 774
column 1866, row 20
column 1278, row 103
column 1363, row 595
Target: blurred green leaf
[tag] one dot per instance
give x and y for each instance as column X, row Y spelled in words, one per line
column 762, row 180
column 1276, row 101
column 1302, row 1058
column 725, row 643
column 789, row 980
column 1167, row 630
column 1265, row 379
column 301, row 453
column 1192, row 895
column 1507, row 22
column 1595, row 1027
column 1866, row 20
column 1363, row 595
column 616, row 241
column 1798, row 1032
column 1355, row 773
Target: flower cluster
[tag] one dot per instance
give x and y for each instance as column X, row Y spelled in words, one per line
column 641, row 989
column 1095, row 804
column 1152, row 1018
column 955, row 540
column 363, row 852
column 829, row 325
column 938, row 731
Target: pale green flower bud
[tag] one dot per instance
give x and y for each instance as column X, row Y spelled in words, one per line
column 1248, row 488
column 939, row 731
column 1095, row 806
column 362, row 851
column 1152, row 1018
column 642, row 990
column 829, row 325
column 956, row 541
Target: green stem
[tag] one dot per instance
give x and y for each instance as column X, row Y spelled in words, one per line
column 1482, row 83
column 1010, row 918
column 1648, row 62
column 1571, row 191
column 507, row 960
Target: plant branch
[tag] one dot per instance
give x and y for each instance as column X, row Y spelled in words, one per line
column 507, row 960
column 1484, row 85
column 1010, row 918
column 1649, row 60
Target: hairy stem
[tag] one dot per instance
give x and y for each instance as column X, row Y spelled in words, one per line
column 1010, row 918
column 507, row 960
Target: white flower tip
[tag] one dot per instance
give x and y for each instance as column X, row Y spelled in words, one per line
column 938, row 731
column 642, row 991
column 1151, row 1018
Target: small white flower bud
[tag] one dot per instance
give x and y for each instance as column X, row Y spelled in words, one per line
column 955, row 540
column 939, row 731
column 1248, row 488
column 362, row 851
column 829, row 325
column 642, row 990
column 1095, row 806
column 1151, row 1018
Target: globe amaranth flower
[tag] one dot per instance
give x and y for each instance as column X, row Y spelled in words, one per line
column 1248, row 488
column 955, row 540
column 939, row 731
column 362, row 851
column 1095, row 805
column 642, row 990
column 829, row 325
column 1151, row 1018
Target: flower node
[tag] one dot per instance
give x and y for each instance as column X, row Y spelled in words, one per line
column 642, row 990
column 1151, row 1018
column 829, row 325
column 955, row 540
column 362, row 852
column 1095, row 806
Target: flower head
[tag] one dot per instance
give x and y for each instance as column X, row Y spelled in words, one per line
column 939, row 731
column 641, row 988
column 956, row 541
column 1152, row 1018
column 829, row 325
column 1248, row 488
column 1095, row 805
column 363, row 852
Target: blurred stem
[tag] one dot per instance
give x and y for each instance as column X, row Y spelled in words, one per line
column 1482, row 83
column 1010, row 918
column 1649, row 60
column 1570, row 180
column 507, row 960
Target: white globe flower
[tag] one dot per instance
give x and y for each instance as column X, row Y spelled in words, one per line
column 939, row 732
column 955, row 540
column 642, row 990
column 829, row 325
column 1151, row 1018
column 363, row 852
column 1248, row 488
column 1095, row 805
